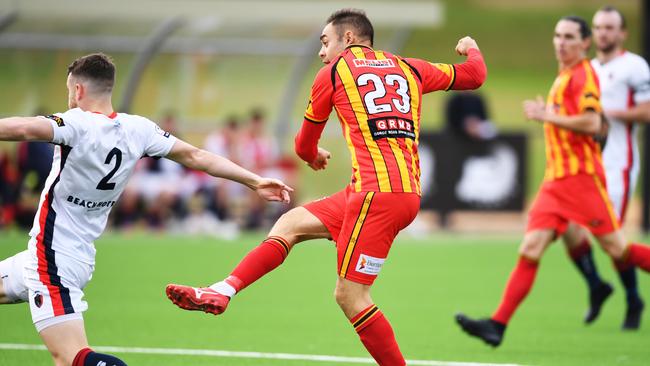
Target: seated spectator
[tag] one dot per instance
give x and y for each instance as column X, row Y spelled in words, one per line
column 466, row 117
column 261, row 156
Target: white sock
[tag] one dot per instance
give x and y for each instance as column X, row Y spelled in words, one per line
column 224, row 288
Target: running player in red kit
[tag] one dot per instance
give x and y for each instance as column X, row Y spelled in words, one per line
column 574, row 190
column 377, row 97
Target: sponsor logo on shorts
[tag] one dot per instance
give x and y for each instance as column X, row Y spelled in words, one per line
column 57, row 119
column 38, row 300
column 369, row 265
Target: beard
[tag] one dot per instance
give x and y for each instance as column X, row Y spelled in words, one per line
column 607, row 48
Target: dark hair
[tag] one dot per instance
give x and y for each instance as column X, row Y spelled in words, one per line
column 585, row 30
column 257, row 114
column 611, row 9
column 354, row 18
column 96, row 68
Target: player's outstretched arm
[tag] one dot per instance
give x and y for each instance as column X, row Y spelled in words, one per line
column 588, row 123
column 218, row 166
column 25, row 129
column 468, row 75
column 472, row 73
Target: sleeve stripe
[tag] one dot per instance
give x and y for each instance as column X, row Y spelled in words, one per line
column 315, row 121
column 453, row 77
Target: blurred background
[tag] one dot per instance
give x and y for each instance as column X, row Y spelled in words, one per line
column 233, row 77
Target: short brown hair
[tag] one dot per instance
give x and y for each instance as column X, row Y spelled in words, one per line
column 354, row 18
column 96, row 68
column 611, row 9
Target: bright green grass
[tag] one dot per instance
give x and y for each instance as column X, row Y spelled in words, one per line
column 292, row 310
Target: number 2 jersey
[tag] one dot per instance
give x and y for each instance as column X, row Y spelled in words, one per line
column 94, row 156
column 377, row 97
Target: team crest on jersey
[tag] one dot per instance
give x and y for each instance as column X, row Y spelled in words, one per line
column 391, row 127
column 38, row 300
column 57, row 119
column 381, row 64
column 162, row 132
column 369, row 265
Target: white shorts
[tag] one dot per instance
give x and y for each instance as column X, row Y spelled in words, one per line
column 54, row 290
column 620, row 187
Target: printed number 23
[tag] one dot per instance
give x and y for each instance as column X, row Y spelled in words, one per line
column 104, row 184
column 371, row 97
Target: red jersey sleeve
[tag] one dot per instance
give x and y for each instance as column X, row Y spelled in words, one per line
column 320, row 101
column 436, row 76
column 585, row 90
column 318, row 111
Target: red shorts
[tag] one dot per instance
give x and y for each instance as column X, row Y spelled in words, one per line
column 580, row 198
column 364, row 225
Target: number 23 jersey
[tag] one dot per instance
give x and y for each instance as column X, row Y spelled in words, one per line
column 377, row 98
column 94, row 156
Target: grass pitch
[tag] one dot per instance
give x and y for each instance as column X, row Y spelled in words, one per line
column 292, row 310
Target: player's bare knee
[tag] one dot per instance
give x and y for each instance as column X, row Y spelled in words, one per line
column 345, row 297
column 534, row 244
column 613, row 244
column 341, row 295
column 615, row 251
column 286, row 227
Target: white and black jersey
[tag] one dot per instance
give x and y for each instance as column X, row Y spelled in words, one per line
column 94, row 157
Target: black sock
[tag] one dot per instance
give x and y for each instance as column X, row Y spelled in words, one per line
column 584, row 261
column 628, row 279
column 86, row 357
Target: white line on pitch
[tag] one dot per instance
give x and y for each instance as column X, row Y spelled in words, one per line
column 272, row 356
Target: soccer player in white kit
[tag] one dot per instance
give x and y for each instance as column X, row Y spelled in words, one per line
column 95, row 153
column 625, row 97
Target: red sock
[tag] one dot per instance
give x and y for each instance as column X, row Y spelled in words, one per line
column 377, row 336
column 519, row 284
column 80, row 358
column 258, row 262
column 638, row 255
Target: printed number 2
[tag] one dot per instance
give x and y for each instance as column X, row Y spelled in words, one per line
column 403, row 105
column 104, row 184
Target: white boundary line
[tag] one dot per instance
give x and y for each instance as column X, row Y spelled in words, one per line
column 220, row 353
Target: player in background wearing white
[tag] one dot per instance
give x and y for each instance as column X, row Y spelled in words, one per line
column 95, row 152
column 625, row 96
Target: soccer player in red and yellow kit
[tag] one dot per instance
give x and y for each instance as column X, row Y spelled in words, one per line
column 377, row 97
column 574, row 188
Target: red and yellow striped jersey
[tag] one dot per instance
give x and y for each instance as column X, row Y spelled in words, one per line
column 377, row 97
column 575, row 91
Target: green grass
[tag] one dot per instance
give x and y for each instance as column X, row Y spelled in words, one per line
column 292, row 310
